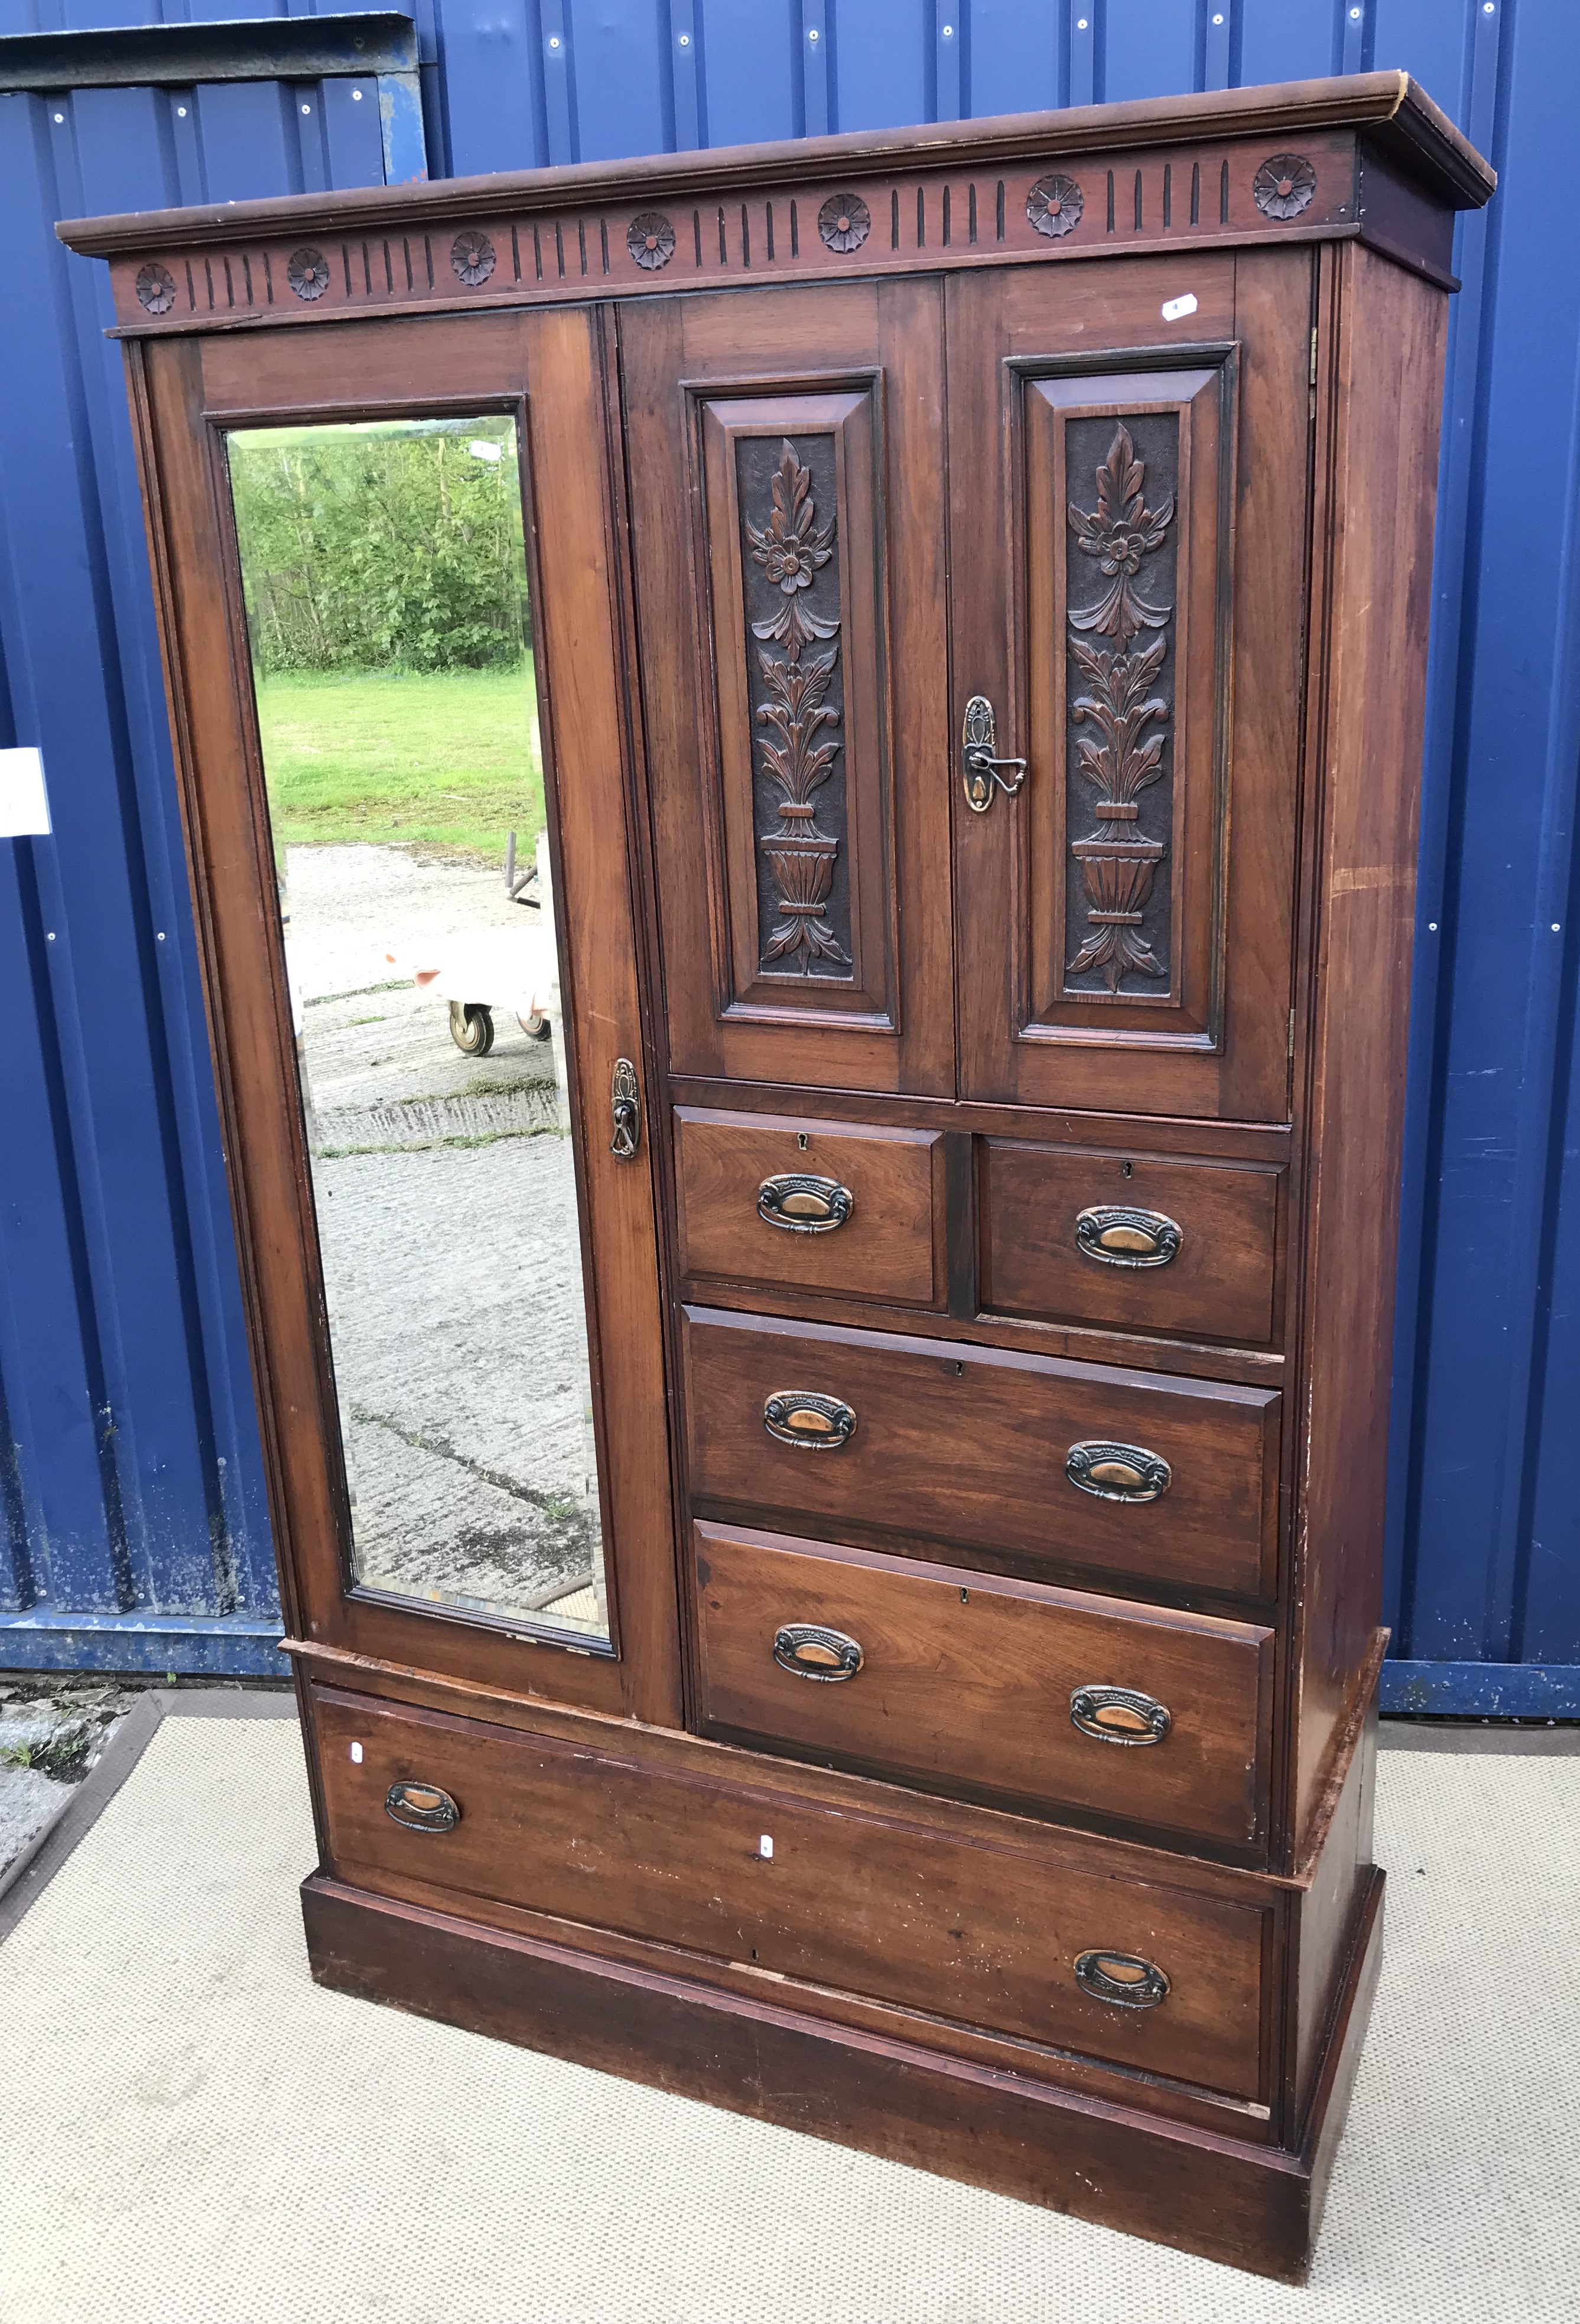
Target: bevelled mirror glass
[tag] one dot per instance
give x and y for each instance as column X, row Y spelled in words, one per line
column 384, row 572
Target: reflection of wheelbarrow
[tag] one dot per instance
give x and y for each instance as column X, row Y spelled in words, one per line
column 498, row 971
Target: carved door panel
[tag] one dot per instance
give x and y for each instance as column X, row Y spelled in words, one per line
column 1128, row 529
column 786, row 466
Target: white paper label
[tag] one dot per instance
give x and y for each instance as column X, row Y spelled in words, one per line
column 1173, row 309
column 356, row 1754
column 24, row 806
column 765, row 1845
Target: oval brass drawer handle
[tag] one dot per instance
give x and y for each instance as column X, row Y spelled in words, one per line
column 821, row 1423
column 807, row 1650
column 1123, row 1237
column 1117, row 1473
column 421, row 1807
column 1123, row 1979
column 803, row 1204
column 1118, row 1714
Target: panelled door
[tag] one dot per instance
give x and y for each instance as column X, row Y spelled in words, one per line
column 1128, row 539
column 1077, row 548
column 432, row 1076
column 786, row 461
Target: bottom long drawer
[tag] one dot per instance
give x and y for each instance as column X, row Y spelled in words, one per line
column 1134, row 1972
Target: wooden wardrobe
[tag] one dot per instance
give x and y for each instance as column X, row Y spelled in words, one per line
column 980, row 585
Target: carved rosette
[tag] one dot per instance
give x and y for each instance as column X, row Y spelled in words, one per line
column 156, row 288
column 472, row 256
column 1283, row 187
column 308, row 273
column 650, row 240
column 845, row 222
column 1118, row 751
column 1055, row 206
column 794, row 704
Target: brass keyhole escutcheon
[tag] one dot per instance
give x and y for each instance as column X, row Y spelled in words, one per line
column 983, row 773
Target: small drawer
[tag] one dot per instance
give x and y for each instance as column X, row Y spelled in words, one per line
column 1050, row 1461
column 812, row 1205
column 1036, row 1941
column 1135, row 1240
column 958, row 1677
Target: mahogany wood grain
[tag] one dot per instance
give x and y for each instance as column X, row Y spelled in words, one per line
column 958, row 1443
column 1227, row 2200
column 681, row 360
column 1219, row 1282
column 899, row 1971
column 1235, row 847
column 1396, row 116
column 967, row 1679
column 1379, row 419
column 858, row 1902
column 891, row 1246
column 193, row 390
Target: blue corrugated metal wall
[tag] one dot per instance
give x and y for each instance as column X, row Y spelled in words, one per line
column 134, row 1493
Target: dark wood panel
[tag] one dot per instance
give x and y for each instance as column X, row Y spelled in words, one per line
column 968, row 1679
column 1209, row 1259
column 1234, row 1141
column 1237, row 614
column 1380, row 419
column 862, row 1903
column 481, row 361
column 888, row 1245
column 1250, row 2207
column 1125, row 684
column 953, row 1441
column 851, row 374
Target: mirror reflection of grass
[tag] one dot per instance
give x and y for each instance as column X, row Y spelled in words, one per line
column 446, row 760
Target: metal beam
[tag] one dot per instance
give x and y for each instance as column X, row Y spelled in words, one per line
column 181, row 56
column 228, row 1647
column 1480, row 1689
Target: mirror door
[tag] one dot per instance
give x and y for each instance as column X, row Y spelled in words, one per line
column 430, row 753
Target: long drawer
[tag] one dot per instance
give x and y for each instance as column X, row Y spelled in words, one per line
column 965, row 1678
column 1140, row 1973
column 1134, row 1473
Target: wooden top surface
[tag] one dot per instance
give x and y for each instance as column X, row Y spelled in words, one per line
column 1398, row 119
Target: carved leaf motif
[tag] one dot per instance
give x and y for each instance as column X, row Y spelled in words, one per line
column 1117, row 754
column 798, row 752
column 788, row 548
column 795, row 709
column 1119, row 533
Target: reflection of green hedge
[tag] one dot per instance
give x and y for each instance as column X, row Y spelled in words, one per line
column 365, row 550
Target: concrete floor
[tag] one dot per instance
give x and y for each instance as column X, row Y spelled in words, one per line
column 208, row 2137
column 446, row 1194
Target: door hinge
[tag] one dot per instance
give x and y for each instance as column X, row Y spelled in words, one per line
column 1311, row 376
column 1291, row 1032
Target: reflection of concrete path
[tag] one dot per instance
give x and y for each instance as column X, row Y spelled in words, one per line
column 457, row 1331
column 446, row 1195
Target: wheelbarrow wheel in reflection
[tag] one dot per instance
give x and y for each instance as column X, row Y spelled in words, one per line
column 536, row 1028
column 472, row 1028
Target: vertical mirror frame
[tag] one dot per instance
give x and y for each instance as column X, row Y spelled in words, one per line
column 520, row 1626
column 187, row 399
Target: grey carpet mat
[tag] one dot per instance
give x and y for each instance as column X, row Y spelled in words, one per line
column 193, row 2133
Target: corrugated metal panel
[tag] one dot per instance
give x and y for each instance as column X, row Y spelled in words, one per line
column 121, row 1292
column 135, row 1479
